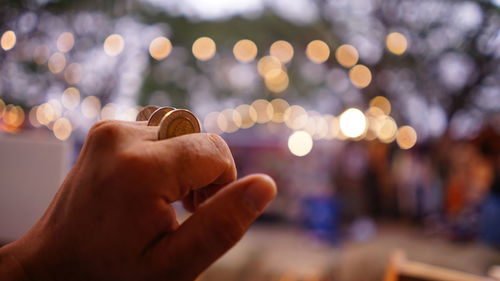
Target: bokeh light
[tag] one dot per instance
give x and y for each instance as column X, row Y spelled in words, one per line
column 65, row 42
column 113, row 45
column 360, row 76
column 396, row 43
column 407, row 137
column 245, row 50
column 279, row 108
column 41, row 54
column 267, row 64
column 210, row 123
column 352, row 123
column 276, row 80
column 382, row 103
column 73, row 73
column 300, row 143
column 70, row 98
column 109, row 112
column 248, row 115
column 229, row 120
column 13, row 115
column 347, row 55
column 264, row 110
column 282, row 50
column 160, row 48
column 57, row 62
column 8, row 40
column 62, row 128
column 387, row 129
column 204, row 48
column 317, row 51
column 91, row 106
column 295, row 117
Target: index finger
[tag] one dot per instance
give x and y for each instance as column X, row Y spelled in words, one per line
column 190, row 162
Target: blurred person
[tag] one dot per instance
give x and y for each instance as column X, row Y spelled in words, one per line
column 112, row 218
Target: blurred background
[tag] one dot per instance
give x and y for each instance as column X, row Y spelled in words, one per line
column 379, row 120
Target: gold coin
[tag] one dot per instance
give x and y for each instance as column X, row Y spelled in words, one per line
column 144, row 114
column 157, row 115
column 178, row 122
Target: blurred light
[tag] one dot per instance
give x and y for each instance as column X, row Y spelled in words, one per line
column 264, row 110
column 322, row 127
column 352, row 123
column 248, row 115
column 2, row 108
column 62, row 128
column 160, row 48
column 41, row 54
column 245, row 50
column 109, row 111
column 32, row 117
column 73, row 73
column 114, row 44
column 295, row 117
column 347, row 55
column 267, row 64
column 279, row 108
column 396, row 43
column 407, row 137
column 281, row 50
column 382, row 103
column 8, row 40
column 204, row 48
column 360, row 76
column 65, row 42
column 70, row 98
column 128, row 114
column 90, row 107
column 13, row 115
column 229, row 120
column 276, row 80
column 45, row 114
column 300, row 143
column 317, row 51
column 210, row 123
column 56, row 109
column 333, row 126
column 387, row 129
column 57, row 62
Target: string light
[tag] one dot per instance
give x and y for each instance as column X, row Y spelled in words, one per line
column 245, row 50
column 360, row 76
column 113, row 45
column 160, row 48
column 317, row 51
column 396, row 43
column 204, row 48
column 352, row 123
column 267, row 64
column 65, row 42
column 347, row 55
column 8, row 40
column 382, row 103
column 407, row 137
column 300, row 143
column 282, row 50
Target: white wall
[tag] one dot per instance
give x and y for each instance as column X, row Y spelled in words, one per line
column 32, row 166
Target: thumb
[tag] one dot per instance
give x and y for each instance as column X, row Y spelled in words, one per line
column 215, row 226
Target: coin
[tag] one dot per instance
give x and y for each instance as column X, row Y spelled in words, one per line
column 157, row 115
column 144, row 114
column 178, row 122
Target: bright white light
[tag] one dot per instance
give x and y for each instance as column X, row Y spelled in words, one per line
column 300, row 143
column 352, row 123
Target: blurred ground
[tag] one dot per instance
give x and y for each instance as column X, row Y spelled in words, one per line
column 281, row 253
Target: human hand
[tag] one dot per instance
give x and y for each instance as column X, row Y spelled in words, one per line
column 112, row 218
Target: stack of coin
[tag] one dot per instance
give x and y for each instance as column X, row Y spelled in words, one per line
column 172, row 122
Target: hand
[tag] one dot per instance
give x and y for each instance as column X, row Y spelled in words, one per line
column 112, row 218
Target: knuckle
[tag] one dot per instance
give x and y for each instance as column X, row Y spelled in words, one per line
column 104, row 132
column 221, row 145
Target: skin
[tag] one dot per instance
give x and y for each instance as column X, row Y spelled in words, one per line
column 112, row 218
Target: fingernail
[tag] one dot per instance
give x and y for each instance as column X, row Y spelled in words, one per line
column 260, row 193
